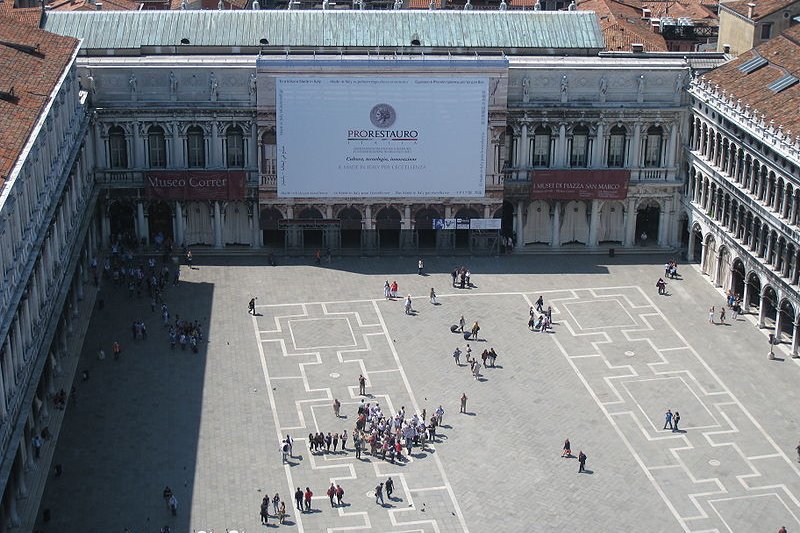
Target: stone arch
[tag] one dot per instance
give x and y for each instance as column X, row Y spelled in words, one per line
column 752, row 291
column 538, row 223
column 787, row 317
column 769, row 302
column 737, row 276
column 388, row 218
column 269, row 220
column 574, row 223
column 611, row 227
column 310, row 213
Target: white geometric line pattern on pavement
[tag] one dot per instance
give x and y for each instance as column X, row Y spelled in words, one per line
column 368, row 347
column 689, row 451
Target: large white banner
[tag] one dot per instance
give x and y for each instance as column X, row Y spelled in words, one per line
column 381, row 137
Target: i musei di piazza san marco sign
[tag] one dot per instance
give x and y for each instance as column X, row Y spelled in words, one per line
column 196, row 185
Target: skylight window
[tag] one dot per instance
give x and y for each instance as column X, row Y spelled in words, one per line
column 784, row 83
column 751, row 65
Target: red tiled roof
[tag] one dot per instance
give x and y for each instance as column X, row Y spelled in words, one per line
column 783, row 54
column 691, row 9
column 83, row 5
column 622, row 25
column 762, row 9
column 26, row 15
column 32, row 75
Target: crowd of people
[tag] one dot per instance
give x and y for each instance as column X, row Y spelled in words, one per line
column 461, row 277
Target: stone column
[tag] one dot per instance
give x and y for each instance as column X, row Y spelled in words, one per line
column 136, row 153
column 662, row 222
column 407, row 217
column 692, row 240
column 522, row 152
column 561, row 146
column 555, row 239
column 630, row 223
column 777, row 330
column 19, row 470
column 368, row 217
column 256, row 225
column 762, row 311
column 144, row 233
column 177, row 159
column 215, row 149
column 795, row 338
column 520, row 225
column 636, row 146
column 672, row 145
column 179, row 227
column 598, row 156
column 217, row 225
column 594, row 222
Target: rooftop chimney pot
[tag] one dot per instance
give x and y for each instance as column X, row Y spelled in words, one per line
column 750, row 7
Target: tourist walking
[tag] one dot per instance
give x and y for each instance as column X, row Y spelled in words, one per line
column 722, row 314
column 461, row 324
column 464, row 402
column 475, row 329
column 265, row 510
column 389, row 488
column 581, row 462
column 362, row 385
column 567, row 451
column 456, row 356
column 711, row 312
column 433, row 296
column 420, row 267
column 251, row 307
column 337, row 405
column 676, row 418
column 298, row 498
column 668, row 419
column 539, row 304
column 307, row 497
column 379, row 494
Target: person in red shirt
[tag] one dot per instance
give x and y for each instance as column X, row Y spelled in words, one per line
column 307, row 496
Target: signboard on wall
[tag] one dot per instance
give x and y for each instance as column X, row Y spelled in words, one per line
column 466, row 223
column 580, row 184
column 381, row 137
column 195, row 185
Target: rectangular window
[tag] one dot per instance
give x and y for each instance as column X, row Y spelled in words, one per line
column 541, row 150
column 616, row 151
column 196, row 150
column 158, row 151
column 577, row 157
column 766, row 31
column 235, row 150
column 118, row 151
column 652, row 151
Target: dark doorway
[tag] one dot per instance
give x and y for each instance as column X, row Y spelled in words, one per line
column 462, row 235
column 647, row 218
column 423, row 223
column 273, row 237
column 683, row 231
column 787, row 319
column 159, row 216
column 351, row 227
column 122, row 221
column 754, row 292
column 737, row 277
column 388, row 222
column 698, row 245
column 770, row 303
column 312, row 238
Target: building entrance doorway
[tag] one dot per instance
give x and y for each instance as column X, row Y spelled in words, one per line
column 351, row 223
column 647, row 218
column 388, row 222
column 159, row 216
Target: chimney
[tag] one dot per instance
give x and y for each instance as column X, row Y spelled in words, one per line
column 637, row 48
column 98, row 5
column 726, row 49
column 750, row 7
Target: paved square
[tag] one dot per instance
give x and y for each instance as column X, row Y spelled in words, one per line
column 321, row 333
column 619, row 356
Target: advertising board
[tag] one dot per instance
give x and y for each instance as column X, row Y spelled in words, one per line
column 381, row 137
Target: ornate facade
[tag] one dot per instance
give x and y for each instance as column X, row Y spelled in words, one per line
column 742, row 193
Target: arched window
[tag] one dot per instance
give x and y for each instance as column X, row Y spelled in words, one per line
column 541, row 147
column 157, row 147
column 195, row 147
column 117, row 148
column 579, row 147
column 652, row 146
column 234, row 147
column 616, row 147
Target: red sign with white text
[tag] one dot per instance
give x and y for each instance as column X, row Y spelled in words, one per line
column 195, row 185
column 579, row 184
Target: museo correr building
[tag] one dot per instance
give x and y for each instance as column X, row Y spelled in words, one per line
column 261, row 129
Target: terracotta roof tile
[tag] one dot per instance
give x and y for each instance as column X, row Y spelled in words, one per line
column 762, row 9
column 691, row 9
column 783, row 54
column 32, row 76
column 622, row 25
column 26, row 15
